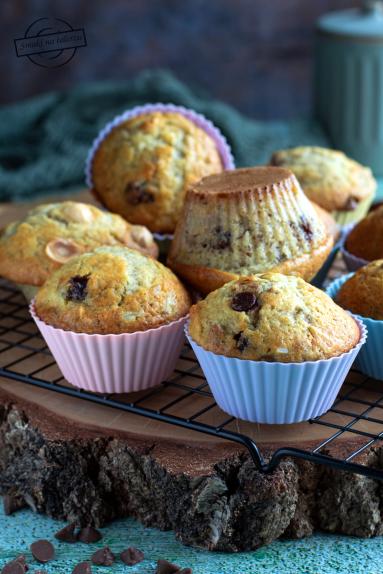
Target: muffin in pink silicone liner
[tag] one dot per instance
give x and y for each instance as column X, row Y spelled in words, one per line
column 113, row 320
column 143, row 161
column 274, row 349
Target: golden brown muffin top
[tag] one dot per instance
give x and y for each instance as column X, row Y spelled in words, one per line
column 143, row 167
column 366, row 238
column 52, row 233
column 328, row 177
column 272, row 317
column 363, row 292
column 111, row 290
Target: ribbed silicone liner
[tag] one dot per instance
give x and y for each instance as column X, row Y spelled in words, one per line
column 275, row 393
column 115, row 363
column 353, row 263
column 200, row 120
column 370, row 359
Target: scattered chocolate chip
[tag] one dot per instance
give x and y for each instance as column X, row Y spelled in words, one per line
column 89, row 535
column 132, row 556
column 242, row 341
column 165, row 567
column 16, row 566
column 307, row 229
column 103, row 557
column 244, row 301
column 137, row 193
column 67, row 534
column 223, row 238
column 40, row 572
column 43, row 551
column 350, row 204
column 186, row 571
column 77, row 290
column 82, row 568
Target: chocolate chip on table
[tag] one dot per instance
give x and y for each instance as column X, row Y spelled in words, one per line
column 244, row 301
column 82, row 568
column 165, row 567
column 186, row 571
column 242, row 341
column 89, row 535
column 40, row 572
column 103, row 557
column 16, row 566
column 137, row 193
column 77, row 290
column 132, row 556
column 43, row 551
column 67, row 534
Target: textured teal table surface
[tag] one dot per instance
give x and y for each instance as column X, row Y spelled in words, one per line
column 318, row 555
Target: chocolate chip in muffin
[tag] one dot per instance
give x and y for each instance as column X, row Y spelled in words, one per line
column 244, row 301
column 137, row 193
column 307, row 229
column 350, row 204
column 241, row 340
column 223, row 238
column 132, row 556
column 77, row 290
column 103, row 557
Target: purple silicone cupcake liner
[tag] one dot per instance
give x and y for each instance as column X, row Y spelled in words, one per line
column 353, row 263
column 200, row 120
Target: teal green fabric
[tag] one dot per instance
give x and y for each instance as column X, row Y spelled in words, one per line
column 44, row 140
column 317, row 555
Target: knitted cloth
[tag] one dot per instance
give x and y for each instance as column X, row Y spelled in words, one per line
column 44, row 140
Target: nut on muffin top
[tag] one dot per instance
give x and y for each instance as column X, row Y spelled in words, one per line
column 143, row 167
column 272, row 317
column 363, row 292
column 365, row 240
column 50, row 234
column 328, row 177
column 111, row 290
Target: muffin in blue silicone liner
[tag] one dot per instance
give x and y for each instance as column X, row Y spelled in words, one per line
column 370, row 358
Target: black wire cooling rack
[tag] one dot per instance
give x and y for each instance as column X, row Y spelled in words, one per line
column 352, row 426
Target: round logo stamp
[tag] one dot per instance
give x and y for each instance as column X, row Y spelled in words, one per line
column 50, row 42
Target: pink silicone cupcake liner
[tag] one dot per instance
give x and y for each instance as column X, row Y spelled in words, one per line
column 200, row 120
column 115, row 363
column 275, row 393
column 353, row 263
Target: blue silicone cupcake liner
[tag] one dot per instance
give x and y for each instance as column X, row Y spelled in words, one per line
column 275, row 393
column 370, row 359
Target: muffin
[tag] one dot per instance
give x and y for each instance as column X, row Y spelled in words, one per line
column 327, row 219
column 142, row 166
column 247, row 221
column 337, row 183
column 51, row 234
column 363, row 292
column 365, row 240
column 272, row 317
column 113, row 320
column 111, row 290
column 274, row 348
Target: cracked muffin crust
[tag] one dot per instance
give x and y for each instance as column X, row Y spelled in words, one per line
column 143, row 167
column 272, row 317
column 50, row 234
column 363, row 292
column 247, row 221
column 365, row 240
column 330, row 178
column 111, row 290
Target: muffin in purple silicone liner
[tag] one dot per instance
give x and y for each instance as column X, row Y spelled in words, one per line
column 142, row 162
column 274, row 349
column 363, row 242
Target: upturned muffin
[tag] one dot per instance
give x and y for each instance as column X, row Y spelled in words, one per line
column 331, row 179
column 327, row 219
column 272, row 317
column 111, row 290
column 51, row 234
column 363, row 292
column 143, row 167
column 365, row 240
column 247, row 221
